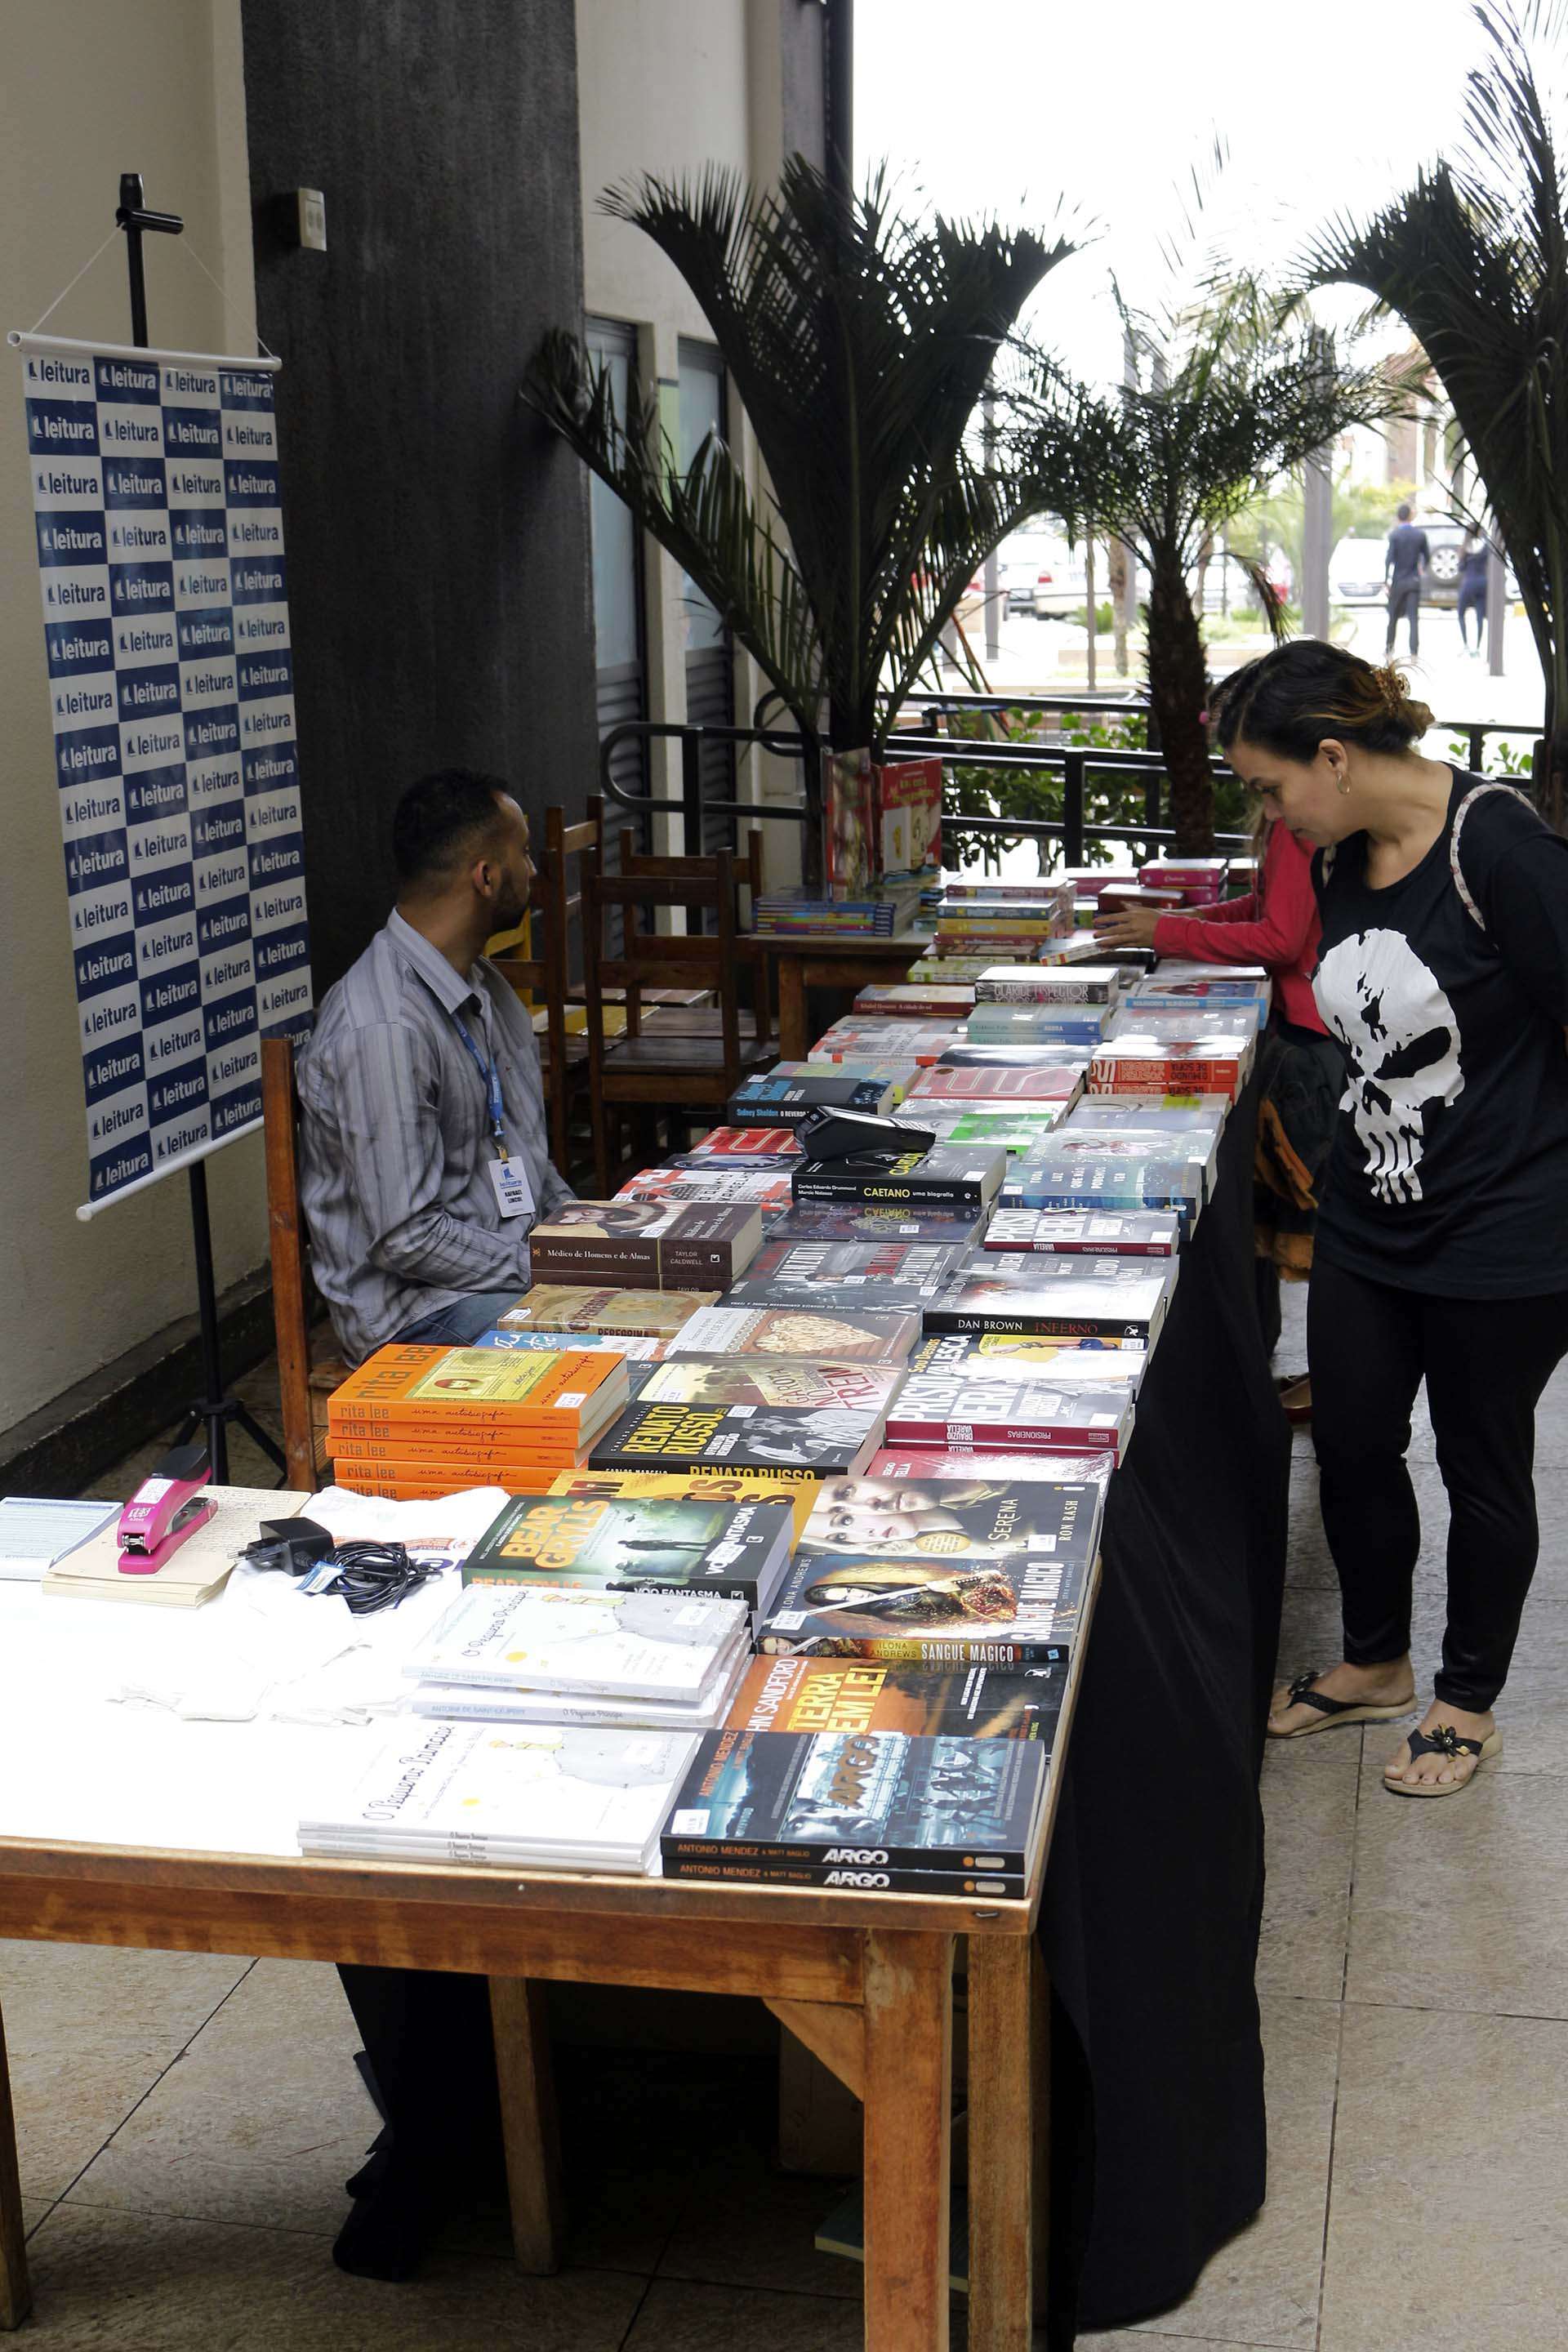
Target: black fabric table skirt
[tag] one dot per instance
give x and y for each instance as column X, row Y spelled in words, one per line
column 1154, row 1889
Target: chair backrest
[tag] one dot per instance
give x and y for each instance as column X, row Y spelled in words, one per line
column 288, row 1246
column 650, row 959
column 630, row 860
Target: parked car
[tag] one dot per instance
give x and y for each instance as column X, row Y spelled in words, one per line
column 1356, row 565
column 1039, row 573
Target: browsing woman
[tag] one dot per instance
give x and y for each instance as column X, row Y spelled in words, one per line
column 1442, row 1248
column 1301, row 1071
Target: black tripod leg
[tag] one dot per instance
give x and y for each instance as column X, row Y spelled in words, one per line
column 259, row 1436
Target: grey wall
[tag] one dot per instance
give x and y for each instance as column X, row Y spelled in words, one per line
column 437, row 538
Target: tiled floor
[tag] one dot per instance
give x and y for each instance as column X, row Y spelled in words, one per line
column 187, row 2122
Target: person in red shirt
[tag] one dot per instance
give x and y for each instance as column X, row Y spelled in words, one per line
column 1301, row 1067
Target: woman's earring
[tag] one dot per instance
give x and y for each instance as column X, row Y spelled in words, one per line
column 1341, row 782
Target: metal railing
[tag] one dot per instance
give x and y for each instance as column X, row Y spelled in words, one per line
column 1077, row 764
column 691, row 806
column 1475, row 731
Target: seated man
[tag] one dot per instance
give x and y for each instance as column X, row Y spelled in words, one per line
column 423, row 1168
column 423, row 1156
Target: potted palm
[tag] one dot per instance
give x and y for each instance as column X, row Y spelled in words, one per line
column 859, row 341
column 1474, row 258
column 1225, row 393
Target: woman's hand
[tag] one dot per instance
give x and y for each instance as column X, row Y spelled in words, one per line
column 1128, row 927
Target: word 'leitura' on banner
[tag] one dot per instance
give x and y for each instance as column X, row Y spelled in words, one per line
column 161, row 562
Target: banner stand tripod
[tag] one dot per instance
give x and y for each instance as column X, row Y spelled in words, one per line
column 214, row 1408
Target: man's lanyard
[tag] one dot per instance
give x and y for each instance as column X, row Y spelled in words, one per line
column 490, row 1074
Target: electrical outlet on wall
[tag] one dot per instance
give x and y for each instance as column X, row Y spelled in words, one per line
column 312, row 218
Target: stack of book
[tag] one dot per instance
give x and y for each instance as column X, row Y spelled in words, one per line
column 533, row 1796
column 876, row 1220
column 1147, row 1062
column 1071, row 1029
column 1122, row 1175
column 915, row 1000
column 748, row 1143
column 757, row 1413
column 1084, row 1232
column 1004, row 925
column 599, row 1541
column 777, row 1101
column 1118, row 1301
column 887, row 1811
column 987, row 1085
column 874, row 913
column 606, row 1313
column 1202, row 881
column 852, row 1335
column 895, row 1076
column 514, row 1651
column 431, row 1421
column 996, row 1412
column 740, row 1187
column 967, row 1123
column 951, row 1180
column 923, row 1042
column 940, row 1575
column 680, row 1246
column 897, row 1276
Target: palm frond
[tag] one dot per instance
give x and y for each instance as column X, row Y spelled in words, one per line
column 858, row 339
column 1474, row 258
column 705, row 517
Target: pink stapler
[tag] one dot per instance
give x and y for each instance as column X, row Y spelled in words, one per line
column 166, row 1508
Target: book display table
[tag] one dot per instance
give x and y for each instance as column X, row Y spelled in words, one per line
column 865, row 1981
column 133, row 1826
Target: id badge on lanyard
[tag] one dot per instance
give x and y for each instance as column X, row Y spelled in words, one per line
column 514, row 1194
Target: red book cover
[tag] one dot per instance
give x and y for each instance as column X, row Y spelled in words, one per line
column 747, row 1143
column 1057, row 1082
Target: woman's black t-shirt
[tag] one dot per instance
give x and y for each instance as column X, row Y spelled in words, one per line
column 1449, row 1172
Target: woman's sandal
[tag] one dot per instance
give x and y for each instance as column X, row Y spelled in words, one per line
column 1332, row 1710
column 1444, row 1740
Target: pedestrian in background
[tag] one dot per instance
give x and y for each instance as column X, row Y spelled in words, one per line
column 1404, row 569
column 1473, row 560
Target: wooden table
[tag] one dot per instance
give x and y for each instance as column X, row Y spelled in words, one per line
column 803, row 962
column 865, row 1981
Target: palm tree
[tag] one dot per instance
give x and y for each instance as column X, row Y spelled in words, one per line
column 859, row 343
column 1224, row 394
column 1474, row 258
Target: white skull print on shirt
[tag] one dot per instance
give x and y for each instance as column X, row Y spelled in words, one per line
column 1399, row 1029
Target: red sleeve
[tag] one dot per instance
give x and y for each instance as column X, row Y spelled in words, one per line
column 1280, row 930
column 1233, row 910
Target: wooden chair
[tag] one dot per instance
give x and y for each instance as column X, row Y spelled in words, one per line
column 555, row 903
column 665, row 1069
column 687, row 1012
column 304, row 1385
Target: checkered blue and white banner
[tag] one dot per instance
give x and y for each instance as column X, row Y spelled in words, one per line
column 160, row 531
